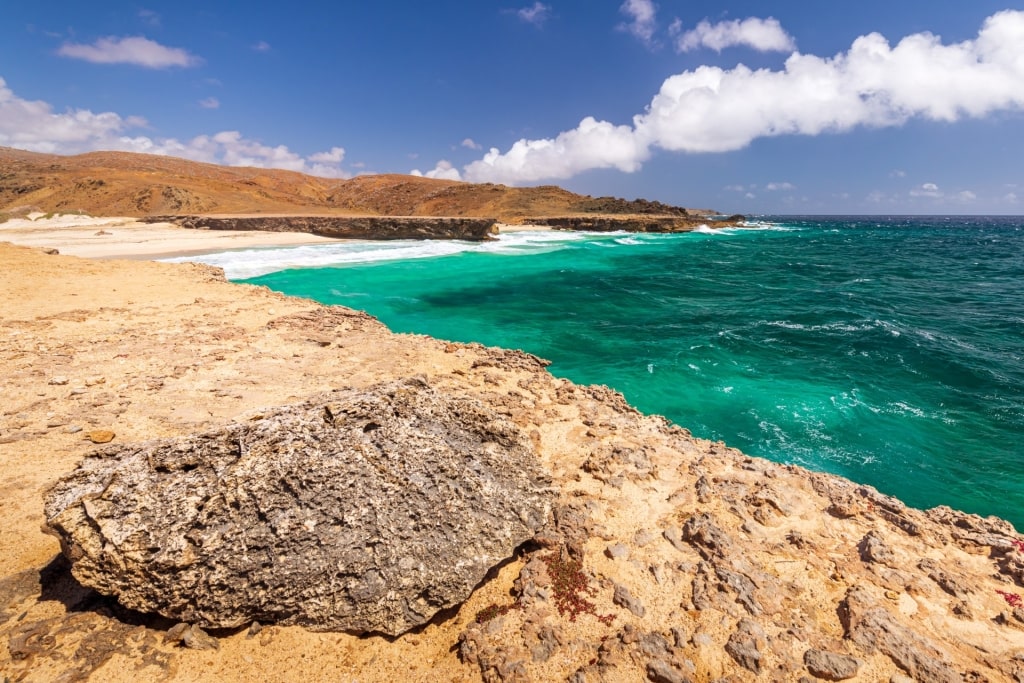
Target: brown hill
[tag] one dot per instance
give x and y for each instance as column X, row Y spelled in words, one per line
column 128, row 184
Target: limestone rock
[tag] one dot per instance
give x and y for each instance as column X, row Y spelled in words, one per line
column 659, row 671
column 830, row 665
column 745, row 645
column 623, row 598
column 357, row 510
column 873, row 549
column 872, row 627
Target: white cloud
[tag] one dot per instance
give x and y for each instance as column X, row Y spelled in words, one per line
column 592, row 144
column 471, row 144
column 262, row 46
column 897, row 174
column 444, row 170
column 926, row 190
column 779, row 187
column 1010, row 197
column 764, row 35
column 209, row 103
column 131, row 50
column 335, row 156
column 750, row 195
column 642, row 20
column 33, row 125
column 734, row 188
column 966, row 196
column 536, row 14
column 709, row 109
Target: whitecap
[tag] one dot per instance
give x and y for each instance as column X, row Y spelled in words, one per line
column 247, row 263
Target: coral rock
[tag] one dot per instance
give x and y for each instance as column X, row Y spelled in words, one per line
column 356, row 510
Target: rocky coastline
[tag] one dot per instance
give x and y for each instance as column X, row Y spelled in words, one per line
column 657, row 555
column 637, row 223
column 346, row 227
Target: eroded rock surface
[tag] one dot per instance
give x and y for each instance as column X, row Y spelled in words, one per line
column 356, row 510
column 347, row 227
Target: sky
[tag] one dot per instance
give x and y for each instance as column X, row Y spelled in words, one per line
column 772, row 107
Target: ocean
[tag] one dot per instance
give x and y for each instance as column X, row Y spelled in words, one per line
column 889, row 350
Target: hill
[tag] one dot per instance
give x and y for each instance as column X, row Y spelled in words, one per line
column 129, row 184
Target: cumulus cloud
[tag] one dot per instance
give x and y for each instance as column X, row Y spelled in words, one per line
column 135, row 50
column 926, row 190
column 262, row 46
column 444, row 170
column 642, row 20
column 209, row 103
column 709, row 109
column 779, row 187
column 764, row 35
column 334, row 156
column 897, row 173
column 536, row 14
column 34, row 126
column 592, row 144
column 469, row 143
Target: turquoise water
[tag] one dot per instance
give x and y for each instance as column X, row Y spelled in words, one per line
column 887, row 350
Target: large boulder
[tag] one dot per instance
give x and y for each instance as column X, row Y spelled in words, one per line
column 355, row 510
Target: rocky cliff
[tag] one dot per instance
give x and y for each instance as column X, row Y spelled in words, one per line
column 666, row 557
column 346, row 227
column 635, row 223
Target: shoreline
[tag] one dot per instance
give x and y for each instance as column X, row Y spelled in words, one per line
column 132, row 239
column 698, row 551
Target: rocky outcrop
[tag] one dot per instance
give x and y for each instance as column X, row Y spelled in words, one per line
column 347, row 227
column 355, row 510
column 634, row 223
column 666, row 557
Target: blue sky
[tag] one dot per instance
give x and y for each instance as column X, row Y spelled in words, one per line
column 768, row 107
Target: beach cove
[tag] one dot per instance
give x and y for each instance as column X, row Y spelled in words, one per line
column 711, row 563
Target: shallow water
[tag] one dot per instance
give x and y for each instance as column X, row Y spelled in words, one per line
column 887, row 350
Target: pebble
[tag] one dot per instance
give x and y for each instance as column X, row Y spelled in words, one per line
column 100, row 436
column 59, row 381
column 74, row 429
column 623, row 598
column 616, row 551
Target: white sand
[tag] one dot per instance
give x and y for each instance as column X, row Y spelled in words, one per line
column 507, row 227
column 90, row 237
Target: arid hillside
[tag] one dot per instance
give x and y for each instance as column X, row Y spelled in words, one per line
column 127, row 184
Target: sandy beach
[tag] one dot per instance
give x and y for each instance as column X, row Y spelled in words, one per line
column 130, row 238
